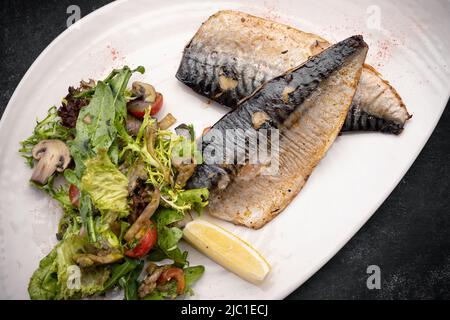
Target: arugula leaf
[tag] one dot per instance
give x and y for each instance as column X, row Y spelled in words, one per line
column 168, row 237
column 191, row 275
column 156, row 254
column 118, row 83
column 166, row 216
column 178, row 257
column 79, row 152
column 108, row 79
column 95, row 122
column 71, row 177
column 113, row 152
column 130, row 284
column 121, row 270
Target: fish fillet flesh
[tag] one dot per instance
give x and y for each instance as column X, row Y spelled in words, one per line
column 307, row 106
column 233, row 53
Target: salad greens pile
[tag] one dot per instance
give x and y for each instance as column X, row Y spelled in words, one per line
column 109, row 182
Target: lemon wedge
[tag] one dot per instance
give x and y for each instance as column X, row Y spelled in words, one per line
column 227, row 250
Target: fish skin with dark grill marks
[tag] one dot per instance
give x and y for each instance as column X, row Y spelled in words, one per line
column 308, row 106
column 233, row 53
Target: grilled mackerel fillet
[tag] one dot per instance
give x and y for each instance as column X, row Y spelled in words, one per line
column 233, row 53
column 308, row 106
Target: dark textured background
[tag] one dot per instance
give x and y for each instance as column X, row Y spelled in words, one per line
column 408, row 237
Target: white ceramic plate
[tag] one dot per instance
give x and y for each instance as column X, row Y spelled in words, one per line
column 411, row 49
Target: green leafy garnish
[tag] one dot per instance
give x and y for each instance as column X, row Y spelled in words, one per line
column 98, row 194
column 191, row 275
column 44, row 281
column 169, row 236
column 130, row 284
column 121, row 270
column 105, row 184
column 53, row 280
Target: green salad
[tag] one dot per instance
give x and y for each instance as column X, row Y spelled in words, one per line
column 119, row 176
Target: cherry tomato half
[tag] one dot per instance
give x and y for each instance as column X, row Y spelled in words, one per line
column 146, row 243
column 173, row 273
column 157, row 105
column 74, row 195
column 137, row 108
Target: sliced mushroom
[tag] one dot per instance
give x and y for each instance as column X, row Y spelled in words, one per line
column 138, row 105
column 166, row 122
column 133, row 125
column 144, row 91
column 102, row 258
column 151, row 132
column 137, row 172
column 144, row 96
column 185, row 171
column 53, row 155
column 184, row 130
column 149, row 283
column 145, row 216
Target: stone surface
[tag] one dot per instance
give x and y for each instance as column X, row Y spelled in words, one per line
column 408, row 237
